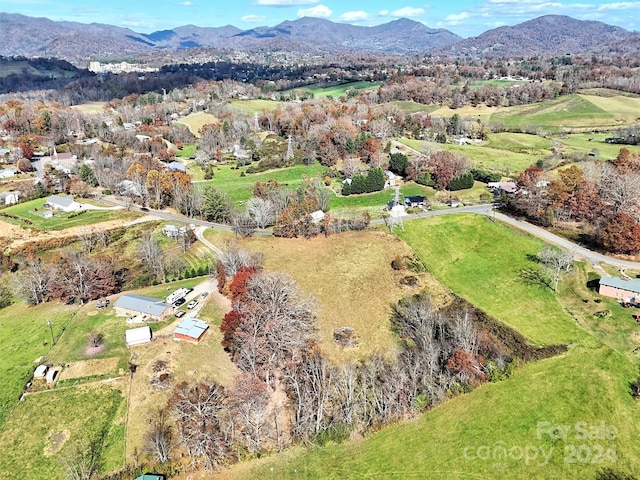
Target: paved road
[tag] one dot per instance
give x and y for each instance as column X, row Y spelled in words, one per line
column 579, row 251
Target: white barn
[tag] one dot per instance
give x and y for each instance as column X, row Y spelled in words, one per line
column 137, row 336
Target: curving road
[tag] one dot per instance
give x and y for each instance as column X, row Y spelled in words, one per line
column 578, row 251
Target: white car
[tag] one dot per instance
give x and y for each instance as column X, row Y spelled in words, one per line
column 192, row 304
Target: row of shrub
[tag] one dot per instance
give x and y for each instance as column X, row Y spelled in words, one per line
column 373, row 181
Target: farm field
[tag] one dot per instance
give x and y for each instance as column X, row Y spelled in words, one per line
column 587, row 387
column 196, row 121
column 65, row 418
column 33, row 211
column 339, row 90
column 238, row 188
column 350, row 276
column 91, row 395
column 255, row 106
column 409, row 106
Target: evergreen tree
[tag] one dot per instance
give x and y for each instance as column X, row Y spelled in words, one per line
column 216, row 207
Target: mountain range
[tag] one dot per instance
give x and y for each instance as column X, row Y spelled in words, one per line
column 548, row 35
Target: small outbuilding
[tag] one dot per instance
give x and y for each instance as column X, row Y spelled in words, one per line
column 52, row 375
column 190, row 329
column 40, row 371
column 137, row 336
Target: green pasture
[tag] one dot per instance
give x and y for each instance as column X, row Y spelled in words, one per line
column 566, row 112
column 409, row 106
column 238, row 188
column 45, row 428
column 25, row 337
column 336, row 91
column 187, row 151
column 33, row 211
column 484, row 434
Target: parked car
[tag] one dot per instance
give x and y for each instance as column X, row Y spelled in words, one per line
column 179, row 302
column 192, row 304
column 180, row 313
column 103, row 303
column 204, row 294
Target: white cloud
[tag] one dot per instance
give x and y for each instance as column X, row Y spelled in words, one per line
column 354, row 16
column 619, row 6
column 186, row 4
column 456, row 18
column 319, row 11
column 383, row 13
column 408, row 12
column 253, row 18
column 286, row 3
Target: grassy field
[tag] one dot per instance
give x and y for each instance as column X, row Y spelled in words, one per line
column 339, row 90
column 187, row 151
column 57, row 420
column 90, row 108
column 486, row 433
column 351, row 278
column 24, row 337
column 33, row 211
column 197, row 120
column 409, row 106
column 249, row 107
column 569, row 111
column 238, row 188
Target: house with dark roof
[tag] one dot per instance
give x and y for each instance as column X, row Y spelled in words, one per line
column 131, row 305
column 190, row 329
column 414, row 201
column 624, row 289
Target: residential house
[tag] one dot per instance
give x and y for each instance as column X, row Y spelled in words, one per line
column 413, row 201
column 9, row 198
column 8, row 172
column 621, row 288
column 131, row 305
column 63, row 203
column 177, row 167
column 317, row 216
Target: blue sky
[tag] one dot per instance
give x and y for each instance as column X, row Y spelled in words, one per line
column 465, row 17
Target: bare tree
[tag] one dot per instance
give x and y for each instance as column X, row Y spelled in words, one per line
column 262, row 211
column 235, row 257
column 557, row 262
column 84, row 459
column 159, row 438
column 198, row 410
column 151, row 254
column 249, row 405
column 31, row 282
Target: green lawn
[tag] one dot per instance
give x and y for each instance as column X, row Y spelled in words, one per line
column 46, row 426
column 238, row 188
column 24, row 337
column 569, row 111
column 187, row 151
column 378, row 200
column 339, row 90
column 33, row 211
column 409, row 106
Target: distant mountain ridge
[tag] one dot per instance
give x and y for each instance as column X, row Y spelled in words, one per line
column 546, row 35
column 551, row 34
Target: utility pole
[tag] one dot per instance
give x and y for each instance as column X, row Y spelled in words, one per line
column 53, row 340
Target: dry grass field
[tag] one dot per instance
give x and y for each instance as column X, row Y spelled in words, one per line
column 351, row 279
column 90, row 108
column 196, row 121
